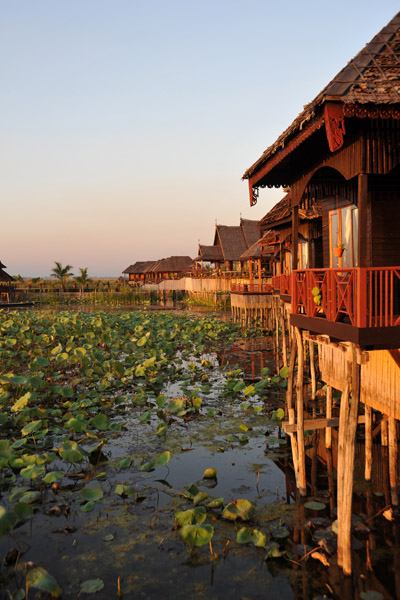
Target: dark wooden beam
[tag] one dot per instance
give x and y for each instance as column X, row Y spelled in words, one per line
column 311, row 424
column 363, row 214
column 295, row 235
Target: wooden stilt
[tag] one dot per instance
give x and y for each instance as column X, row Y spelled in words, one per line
column 328, row 431
column 340, row 466
column 312, row 369
column 368, row 443
column 290, row 408
column 393, row 476
column 300, row 414
column 283, row 333
column 349, row 456
column 384, row 430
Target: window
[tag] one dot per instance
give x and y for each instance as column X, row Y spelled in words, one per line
column 343, row 233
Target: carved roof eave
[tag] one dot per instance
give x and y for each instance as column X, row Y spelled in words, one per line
column 332, row 117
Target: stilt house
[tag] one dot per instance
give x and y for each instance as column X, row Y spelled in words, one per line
column 341, row 159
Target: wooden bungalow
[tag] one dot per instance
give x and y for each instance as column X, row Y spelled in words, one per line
column 173, row 267
column 139, row 272
column 229, row 244
column 341, row 156
column 6, row 284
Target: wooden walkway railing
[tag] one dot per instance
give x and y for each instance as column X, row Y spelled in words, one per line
column 366, row 297
column 282, row 284
column 251, row 288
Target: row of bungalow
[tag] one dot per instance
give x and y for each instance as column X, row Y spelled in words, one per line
column 336, row 253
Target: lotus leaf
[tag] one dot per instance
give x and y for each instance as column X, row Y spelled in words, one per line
column 162, row 459
column 124, row 463
column 92, row 586
column 7, row 521
column 100, row 422
column 216, row 503
column 199, row 498
column 23, row 401
column 124, row 490
column 197, row 535
column 53, row 476
column 256, row 537
column 241, row 508
column 23, row 511
column 210, row 474
column 31, row 472
column 71, row 452
column 191, row 516
column 92, row 494
column 40, row 579
column 88, row 506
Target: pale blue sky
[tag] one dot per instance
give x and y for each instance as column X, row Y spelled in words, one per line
column 126, row 126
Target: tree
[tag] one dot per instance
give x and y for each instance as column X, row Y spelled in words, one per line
column 83, row 279
column 61, row 273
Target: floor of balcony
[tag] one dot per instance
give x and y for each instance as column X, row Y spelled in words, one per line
column 369, row 338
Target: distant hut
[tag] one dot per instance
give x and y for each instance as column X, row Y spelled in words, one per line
column 6, row 284
column 172, row 267
column 137, row 272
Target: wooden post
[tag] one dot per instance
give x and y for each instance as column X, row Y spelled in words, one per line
column 384, row 430
column 368, row 442
column 302, row 484
column 312, row 370
column 295, row 236
column 259, row 275
column 284, row 348
column 393, row 461
column 328, row 431
column 346, row 466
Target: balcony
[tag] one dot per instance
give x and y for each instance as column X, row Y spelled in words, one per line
column 360, row 305
column 282, row 285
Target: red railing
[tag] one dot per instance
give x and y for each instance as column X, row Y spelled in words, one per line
column 251, row 288
column 364, row 297
column 282, row 284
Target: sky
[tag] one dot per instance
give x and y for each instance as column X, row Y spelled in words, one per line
column 126, row 125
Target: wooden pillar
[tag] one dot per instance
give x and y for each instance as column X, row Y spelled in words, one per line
column 302, row 484
column 363, row 208
column 250, row 270
column 312, row 370
column 393, row 461
column 283, row 332
column 384, row 431
column 295, row 236
column 347, row 434
column 328, row 431
column 259, row 275
column 368, row 443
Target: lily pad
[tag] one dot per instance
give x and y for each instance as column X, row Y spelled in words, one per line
column 91, row 586
column 191, row 516
column 40, row 579
column 7, row 521
column 239, row 509
column 91, row 494
column 197, row 535
column 313, row 505
column 210, row 474
column 256, row 537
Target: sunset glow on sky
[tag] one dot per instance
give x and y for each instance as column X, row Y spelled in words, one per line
column 126, row 126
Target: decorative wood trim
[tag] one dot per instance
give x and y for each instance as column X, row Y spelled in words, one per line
column 334, row 125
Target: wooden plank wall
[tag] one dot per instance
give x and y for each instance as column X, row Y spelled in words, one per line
column 380, row 376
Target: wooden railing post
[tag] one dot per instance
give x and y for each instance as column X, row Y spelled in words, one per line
column 360, row 289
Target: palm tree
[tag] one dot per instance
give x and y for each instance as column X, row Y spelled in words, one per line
column 61, row 273
column 83, row 279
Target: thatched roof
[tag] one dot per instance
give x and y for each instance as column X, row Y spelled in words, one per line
column 139, row 267
column 371, row 77
column 232, row 241
column 251, row 231
column 210, row 253
column 261, row 247
column 282, row 211
column 5, row 277
column 173, row 264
